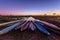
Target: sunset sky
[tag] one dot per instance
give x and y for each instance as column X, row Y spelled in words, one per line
column 29, row 7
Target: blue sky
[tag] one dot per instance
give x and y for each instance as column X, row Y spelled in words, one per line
column 29, row 6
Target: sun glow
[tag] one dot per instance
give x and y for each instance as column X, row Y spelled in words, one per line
column 29, row 13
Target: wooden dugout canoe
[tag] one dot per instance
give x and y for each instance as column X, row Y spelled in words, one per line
column 32, row 26
column 20, row 25
column 49, row 25
column 41, row 28
column 9, row 28
column 25, row 25
column 51, row 29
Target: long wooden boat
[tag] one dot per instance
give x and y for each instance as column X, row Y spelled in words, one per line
column 41, row 28
column 25, row 25
column 9, row 28
column 51, row 29
column 50, row 25
column 20, row 25
column 32, row 26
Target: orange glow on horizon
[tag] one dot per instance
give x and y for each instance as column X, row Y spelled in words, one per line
column 29, row 13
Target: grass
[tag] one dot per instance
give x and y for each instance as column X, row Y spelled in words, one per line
column 10, row 18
